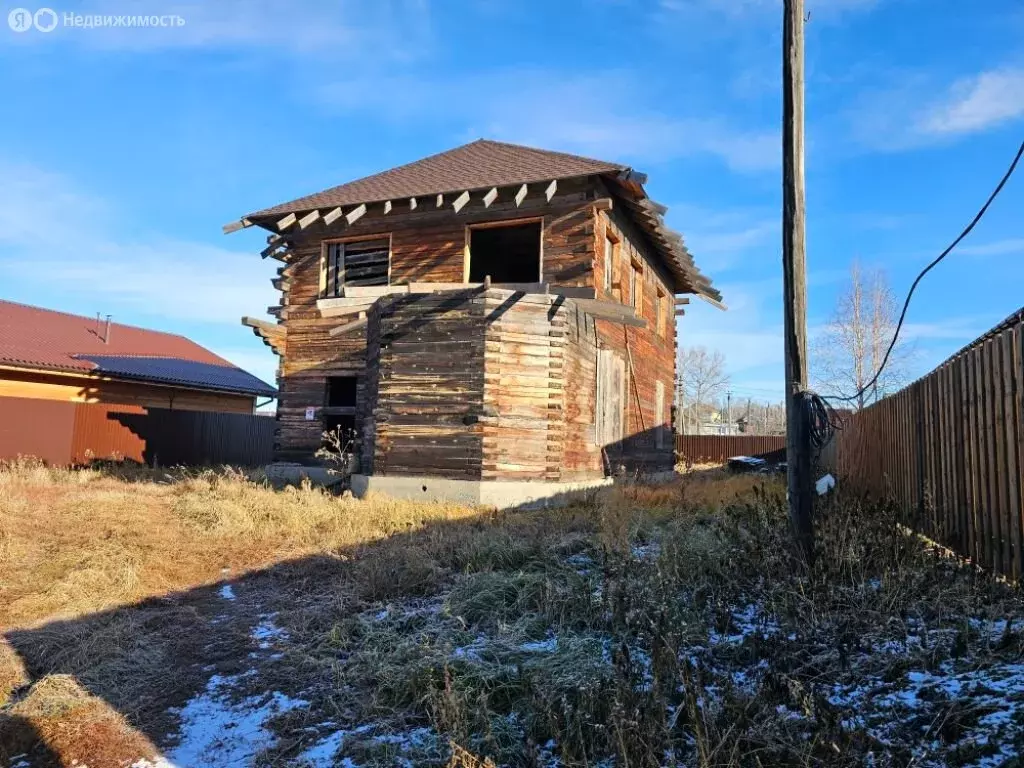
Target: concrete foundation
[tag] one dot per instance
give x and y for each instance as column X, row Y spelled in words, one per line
column 503, row 494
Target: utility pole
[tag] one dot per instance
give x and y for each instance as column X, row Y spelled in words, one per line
column 794, row 266
column 728, row 413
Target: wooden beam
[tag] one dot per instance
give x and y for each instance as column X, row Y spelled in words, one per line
column 683, row 300
column 573, row 291
column 460, row 201
column 333, row 307
column 490, row 197
column 387, row 207
column 603, row 204
column 271, row 250
column 332, row 216
column 423, row 287
column 520, row 195
column 234, row 226
column 355, row 214
column 359, row 311
column 634, row 177
column 551, row 188
column 354, row 325
column 308, row 219
column 712, row 302
column 374, row 291
column 440, row 201
column 412, row 203
column 287, row 221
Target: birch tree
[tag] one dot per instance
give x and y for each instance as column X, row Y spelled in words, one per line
column 853, row 344
column 702, row 380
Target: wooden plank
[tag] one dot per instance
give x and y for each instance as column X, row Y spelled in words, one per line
column 490, row 197
column 308, row 219
column 460, row 202
column 1018, row 427
column 387, row 207
column 520, row 196
column 332, row 216
column 1011, row 476
column 286, row 221
column 355, row 214
column 412, row 203
column 234, row 226
column 549, row 192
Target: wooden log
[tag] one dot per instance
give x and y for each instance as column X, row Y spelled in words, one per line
column 355, row 214
column 352, row 326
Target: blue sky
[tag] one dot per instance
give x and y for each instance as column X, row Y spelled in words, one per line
column 124, row 150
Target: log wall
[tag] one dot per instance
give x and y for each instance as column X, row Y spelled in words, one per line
column 428, row 244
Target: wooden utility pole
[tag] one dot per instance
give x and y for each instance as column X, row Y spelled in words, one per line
column 794, row 266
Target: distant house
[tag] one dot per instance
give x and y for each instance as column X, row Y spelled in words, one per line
column 51, row 355
column 491, row 317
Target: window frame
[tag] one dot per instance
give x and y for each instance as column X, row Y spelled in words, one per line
column 325, row 259
column 661, row 322
column 495, row 224
column 636, row 287
column 611, row 247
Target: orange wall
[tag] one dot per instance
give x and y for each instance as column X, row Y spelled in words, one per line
column 84, row 389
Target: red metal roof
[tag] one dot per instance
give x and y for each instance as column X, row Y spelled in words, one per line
column 43, row 338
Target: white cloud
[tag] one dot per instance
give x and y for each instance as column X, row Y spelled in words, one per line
column 995, row 248
column 59, row 241
column 978, row 103
column 601, row 114
column 906, row 113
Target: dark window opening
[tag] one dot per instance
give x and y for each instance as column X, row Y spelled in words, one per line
column 357, row 263
column 508, row 254
column 341, row 392
column 339, row 413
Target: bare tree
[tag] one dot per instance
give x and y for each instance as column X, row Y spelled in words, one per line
column 854, row 343
column 701, row 381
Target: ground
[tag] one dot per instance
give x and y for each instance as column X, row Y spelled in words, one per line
column 206, row 619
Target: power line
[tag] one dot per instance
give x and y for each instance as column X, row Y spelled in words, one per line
column 926, row 270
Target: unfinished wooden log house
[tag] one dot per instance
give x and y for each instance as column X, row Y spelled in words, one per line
column 496, row 322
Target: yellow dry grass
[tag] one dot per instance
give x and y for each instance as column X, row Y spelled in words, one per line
column 76, row 542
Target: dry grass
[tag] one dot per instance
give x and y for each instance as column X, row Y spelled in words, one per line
column 76, row 542
column 647, row 625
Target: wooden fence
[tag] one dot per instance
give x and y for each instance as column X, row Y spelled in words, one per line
column 699, row 449
column 948, row 448
column 63, row 433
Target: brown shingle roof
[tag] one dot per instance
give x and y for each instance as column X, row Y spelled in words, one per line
column 34, row 337
column 483, row 164
column 479, row 164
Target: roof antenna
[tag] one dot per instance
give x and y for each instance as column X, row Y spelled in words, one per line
column 106, row 334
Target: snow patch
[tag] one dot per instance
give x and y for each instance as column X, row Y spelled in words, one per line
column 218, row 729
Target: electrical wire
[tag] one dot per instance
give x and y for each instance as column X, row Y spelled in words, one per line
column 926, row 270
column 822, row 419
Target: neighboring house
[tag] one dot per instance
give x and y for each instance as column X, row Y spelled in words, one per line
column 50, row 355
column 491, row 313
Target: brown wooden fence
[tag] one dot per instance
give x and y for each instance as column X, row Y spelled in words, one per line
column 63, row 433
column 948, row 447
column 716, row 448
